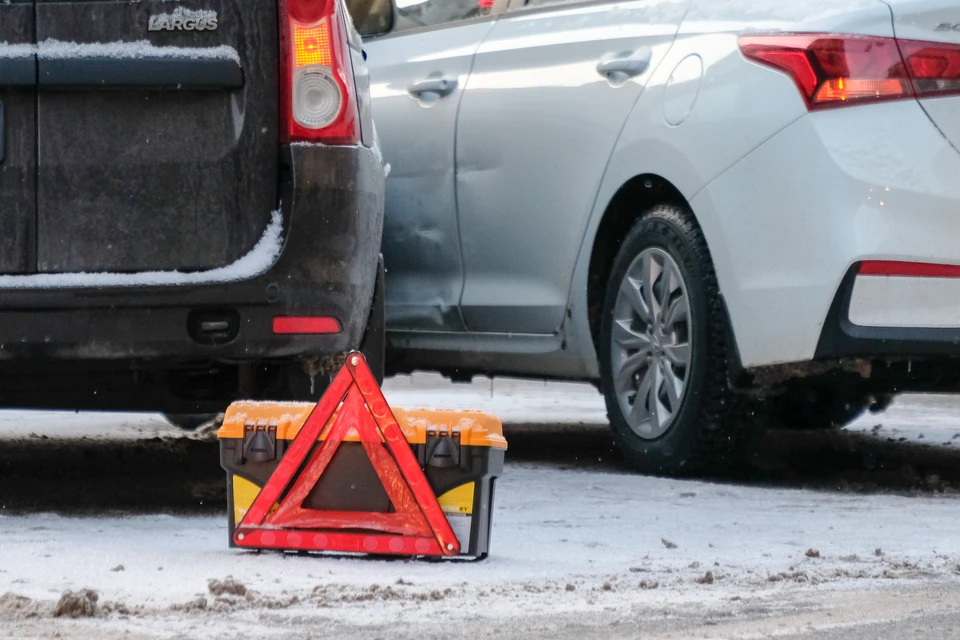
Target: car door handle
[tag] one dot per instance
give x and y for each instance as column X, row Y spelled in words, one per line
column 630, row 65
column 440, row 86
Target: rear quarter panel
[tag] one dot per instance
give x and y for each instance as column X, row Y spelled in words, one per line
column 737, row 105
column 933, row 21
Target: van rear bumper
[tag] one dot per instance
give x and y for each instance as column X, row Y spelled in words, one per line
column 332, row 209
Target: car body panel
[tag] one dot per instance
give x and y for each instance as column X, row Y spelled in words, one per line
column 422, row 238
column 18, row 157
column 789, row 200
column 186, row 338
column 932, row 21
column 759, row 102
column 150, row 157
column 864, row 17
column 884, row 190
column 537, row 124
column 112, row 347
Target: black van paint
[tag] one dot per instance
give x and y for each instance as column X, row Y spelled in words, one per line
column 151, row 164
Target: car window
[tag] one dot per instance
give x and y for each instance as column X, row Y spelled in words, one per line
column 371, row 17
column 413, row 14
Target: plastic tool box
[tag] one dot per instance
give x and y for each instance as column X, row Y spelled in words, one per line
column 460, row 452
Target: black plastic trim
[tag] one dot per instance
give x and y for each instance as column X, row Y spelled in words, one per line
column 212, row 73
column 842, row 338
column 19, row 71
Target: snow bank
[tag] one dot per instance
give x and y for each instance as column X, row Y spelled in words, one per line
column 257, row 261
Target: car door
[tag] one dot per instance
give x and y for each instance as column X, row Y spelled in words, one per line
column 417, row 76
column 18, row 78
column 158, row 132
column 551, row 87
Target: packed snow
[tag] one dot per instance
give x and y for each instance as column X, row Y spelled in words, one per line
column 8, row 51
column 260, row 258
column 568, row 539
column 58, row 49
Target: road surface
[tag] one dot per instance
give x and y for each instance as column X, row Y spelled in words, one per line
column 824, row 535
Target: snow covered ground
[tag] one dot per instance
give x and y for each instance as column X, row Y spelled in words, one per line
column 575, row 547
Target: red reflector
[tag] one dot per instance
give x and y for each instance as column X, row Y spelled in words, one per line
column 910, row 269
column 306, row 325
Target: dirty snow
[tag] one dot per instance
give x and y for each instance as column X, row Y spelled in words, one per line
column 566, row 542
column 552, row 528
column 260, row 258
column 57, row 49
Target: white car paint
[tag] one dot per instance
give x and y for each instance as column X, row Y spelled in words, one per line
column 894, row 301
column 789, row 200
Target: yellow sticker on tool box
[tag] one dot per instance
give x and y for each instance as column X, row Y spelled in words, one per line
column 459, row 500
column 244, row 493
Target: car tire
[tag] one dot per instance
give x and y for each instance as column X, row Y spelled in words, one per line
column 190, row 421
column 690, row 430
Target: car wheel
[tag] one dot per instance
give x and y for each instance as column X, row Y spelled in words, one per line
column 189, row 421
column 663, row 349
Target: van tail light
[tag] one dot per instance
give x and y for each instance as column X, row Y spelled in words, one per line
column 841, row 70
column 318, row 97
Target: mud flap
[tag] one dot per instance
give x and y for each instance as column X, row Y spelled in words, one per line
column 373, row 345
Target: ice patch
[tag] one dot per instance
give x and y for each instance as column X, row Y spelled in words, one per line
column 254, row 263
column 58, row 50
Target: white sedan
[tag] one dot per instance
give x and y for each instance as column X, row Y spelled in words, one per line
column 715, row 209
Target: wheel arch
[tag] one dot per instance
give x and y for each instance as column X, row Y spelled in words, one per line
column 635, row 196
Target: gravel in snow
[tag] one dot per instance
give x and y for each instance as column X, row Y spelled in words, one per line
column 564, row 541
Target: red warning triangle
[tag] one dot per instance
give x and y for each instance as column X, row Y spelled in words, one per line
column 418, row 525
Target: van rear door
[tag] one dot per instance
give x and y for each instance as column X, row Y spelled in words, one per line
column 157, row 132
column 18, row 77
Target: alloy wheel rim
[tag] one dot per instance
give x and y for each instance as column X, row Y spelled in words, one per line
column 651, row 344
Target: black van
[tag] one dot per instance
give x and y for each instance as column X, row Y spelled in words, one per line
column 191, row 202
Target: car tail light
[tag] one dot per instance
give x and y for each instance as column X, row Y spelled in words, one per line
column 833, row 70
column 318, row 96
column 933, row 66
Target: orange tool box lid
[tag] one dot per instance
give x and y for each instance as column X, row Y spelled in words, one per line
column 477, row 429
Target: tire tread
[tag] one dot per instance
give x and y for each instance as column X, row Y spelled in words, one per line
column 714, row 446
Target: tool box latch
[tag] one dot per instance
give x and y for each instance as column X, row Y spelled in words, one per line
column 259, row 442
column 443, row 448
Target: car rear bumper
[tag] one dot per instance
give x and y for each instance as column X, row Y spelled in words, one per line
column 881, row 315
column 790, row 223
column 332, row 212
